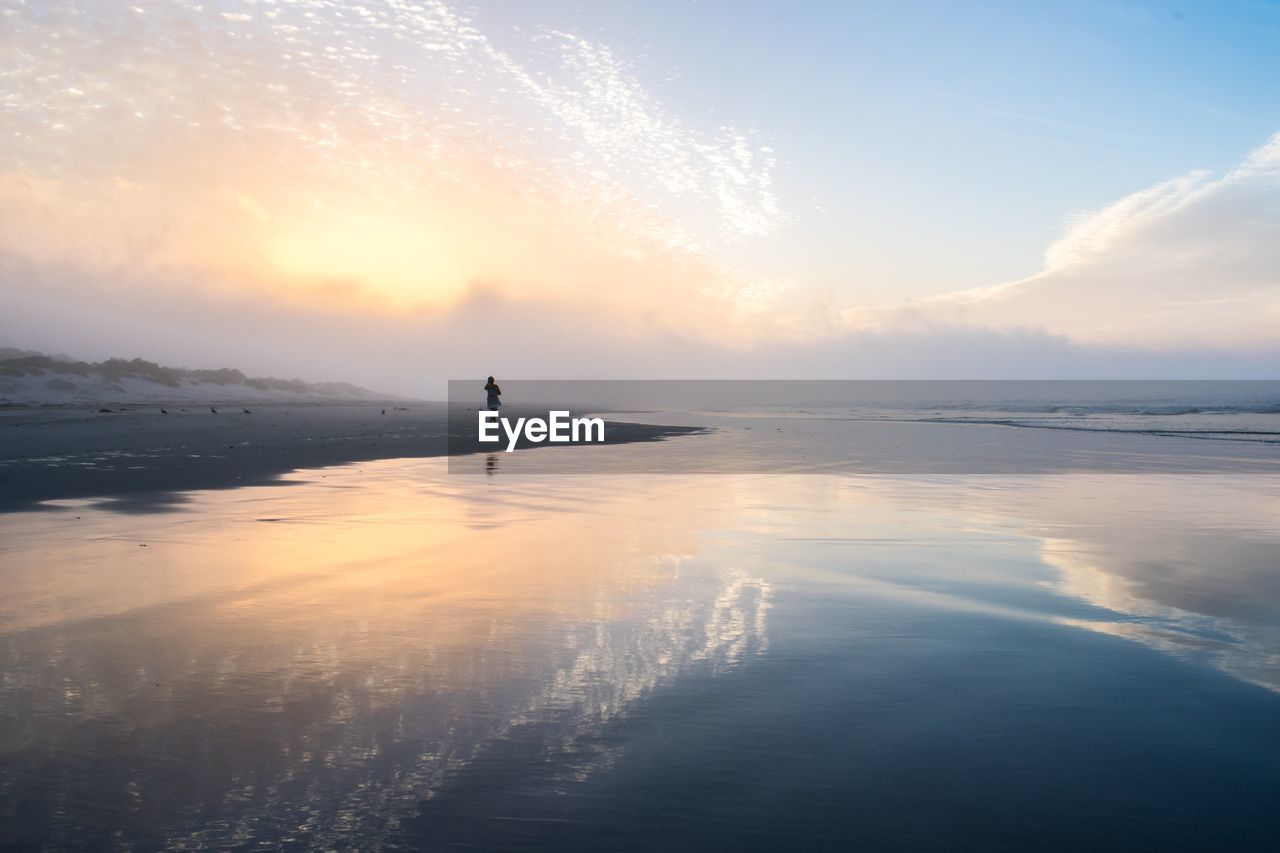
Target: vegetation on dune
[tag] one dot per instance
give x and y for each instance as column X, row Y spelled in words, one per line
column 18, row 363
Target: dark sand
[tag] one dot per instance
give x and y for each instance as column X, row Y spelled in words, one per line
column 137, row 457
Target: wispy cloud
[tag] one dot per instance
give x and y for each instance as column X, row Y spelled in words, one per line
column 1194, row 260
column 622, row 131
column 544, row 163
column 317, row 72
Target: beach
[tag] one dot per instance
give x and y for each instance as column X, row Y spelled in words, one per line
column 800, row 650
column 640, row 427
column 135, row 454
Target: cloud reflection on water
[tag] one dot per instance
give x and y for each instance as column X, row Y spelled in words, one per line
column 304, row 663
column 314, row 661
column 1185, row 563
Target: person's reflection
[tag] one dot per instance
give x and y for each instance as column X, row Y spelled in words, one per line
column 491, row 464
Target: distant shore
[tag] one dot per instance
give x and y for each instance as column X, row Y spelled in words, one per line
column 135, row 455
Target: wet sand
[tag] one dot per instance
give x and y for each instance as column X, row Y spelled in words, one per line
column 138, row 457
column 387, row 656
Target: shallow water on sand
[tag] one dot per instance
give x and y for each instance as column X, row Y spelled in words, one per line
column 387, row 655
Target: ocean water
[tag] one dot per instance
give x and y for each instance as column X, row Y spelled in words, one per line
column 831, row 655
column 1226, row 410
column 1257, row 420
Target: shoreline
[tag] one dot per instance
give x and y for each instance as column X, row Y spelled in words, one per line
column 140, row 460
column 137, row 459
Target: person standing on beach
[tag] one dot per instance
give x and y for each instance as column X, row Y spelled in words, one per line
column 494, row 392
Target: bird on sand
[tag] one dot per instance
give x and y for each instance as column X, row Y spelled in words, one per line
column 247, row 412
column 384, row 411
column 163, row 410
column 212, row 409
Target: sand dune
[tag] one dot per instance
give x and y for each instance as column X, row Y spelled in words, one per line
column 32, row 378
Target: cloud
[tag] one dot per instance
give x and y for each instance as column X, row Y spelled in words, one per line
column 624, row 131
column 319, row 151
column 337, row 192
column 491, row 332
column 1193, row 261
column 381, row 90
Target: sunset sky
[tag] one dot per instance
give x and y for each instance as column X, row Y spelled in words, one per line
column 397, row 192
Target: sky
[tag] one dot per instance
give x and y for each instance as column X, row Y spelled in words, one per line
column 399, row 191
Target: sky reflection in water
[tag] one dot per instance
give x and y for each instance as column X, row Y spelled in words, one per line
column 309, row 662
